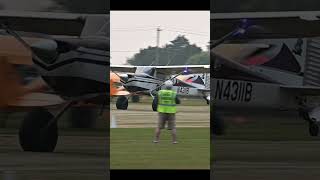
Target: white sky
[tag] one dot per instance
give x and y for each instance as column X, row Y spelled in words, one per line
column 134, row 30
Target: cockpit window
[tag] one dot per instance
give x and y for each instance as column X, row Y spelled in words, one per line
column 146, row 70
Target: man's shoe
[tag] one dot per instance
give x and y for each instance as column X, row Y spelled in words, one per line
column 175, row 142
column 155, row 141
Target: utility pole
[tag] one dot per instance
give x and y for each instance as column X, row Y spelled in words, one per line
column 158, row 42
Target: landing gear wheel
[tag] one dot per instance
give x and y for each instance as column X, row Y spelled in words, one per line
column 122, row 103
column 154, row 105
column 207, row 101
column 35, row 134
column 313, row 129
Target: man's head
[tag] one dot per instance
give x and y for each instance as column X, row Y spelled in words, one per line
column 168, row 84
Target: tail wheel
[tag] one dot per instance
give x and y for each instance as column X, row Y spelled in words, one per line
column 36, row 134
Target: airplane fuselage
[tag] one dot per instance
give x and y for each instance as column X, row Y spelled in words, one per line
column 77, row 73
column 144, row 84
column 249, row 95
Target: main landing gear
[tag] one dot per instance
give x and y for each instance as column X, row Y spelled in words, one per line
column 122, row 103
column 311, row 117
column 39, row 130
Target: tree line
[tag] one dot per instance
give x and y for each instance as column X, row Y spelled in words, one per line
column 178, row 52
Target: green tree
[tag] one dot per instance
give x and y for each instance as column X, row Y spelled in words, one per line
column 200, row 59
column 144, row 58
column 177, row 52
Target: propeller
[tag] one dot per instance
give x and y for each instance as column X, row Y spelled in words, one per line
column 185, row 71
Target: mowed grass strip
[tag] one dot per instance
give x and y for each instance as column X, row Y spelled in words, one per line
column 132, row 148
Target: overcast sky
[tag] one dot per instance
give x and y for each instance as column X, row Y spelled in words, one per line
column 134, row 30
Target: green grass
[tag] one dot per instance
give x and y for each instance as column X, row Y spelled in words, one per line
column 132, row 148
column 284, row 137
column 272, row 130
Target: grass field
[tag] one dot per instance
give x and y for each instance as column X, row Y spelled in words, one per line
column 275, row 146
column 132, row 148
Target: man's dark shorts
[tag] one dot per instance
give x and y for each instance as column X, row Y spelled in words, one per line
column 167, row 118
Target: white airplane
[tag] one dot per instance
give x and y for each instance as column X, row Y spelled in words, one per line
column 69, row 52
column 147, row 80
column 265, row 62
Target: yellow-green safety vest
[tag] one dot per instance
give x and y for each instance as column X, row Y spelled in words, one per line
column 167, row 101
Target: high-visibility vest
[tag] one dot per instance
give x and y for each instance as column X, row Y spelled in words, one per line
column 167, row 101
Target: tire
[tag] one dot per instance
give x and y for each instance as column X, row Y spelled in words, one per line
column 122, row 103
column 34, row 135
column 313, row 129
column 154, row 105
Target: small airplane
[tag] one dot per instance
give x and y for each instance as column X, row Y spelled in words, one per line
column 147, row 80
column 70, row 53
column 266, row 62
column 116, row 87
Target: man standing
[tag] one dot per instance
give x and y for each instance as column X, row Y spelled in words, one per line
column 167, row 100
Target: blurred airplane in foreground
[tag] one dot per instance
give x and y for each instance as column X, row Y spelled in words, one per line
column 265, row 62
column 69, row 52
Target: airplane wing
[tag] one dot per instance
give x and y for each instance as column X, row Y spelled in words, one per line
column 43, row 22
column 164, row 69
column 123, row 68
column 271, row 24
column 89, row 30
column 190, row 69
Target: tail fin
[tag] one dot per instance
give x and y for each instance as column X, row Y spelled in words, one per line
column 196, row 79
column 285, row 60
